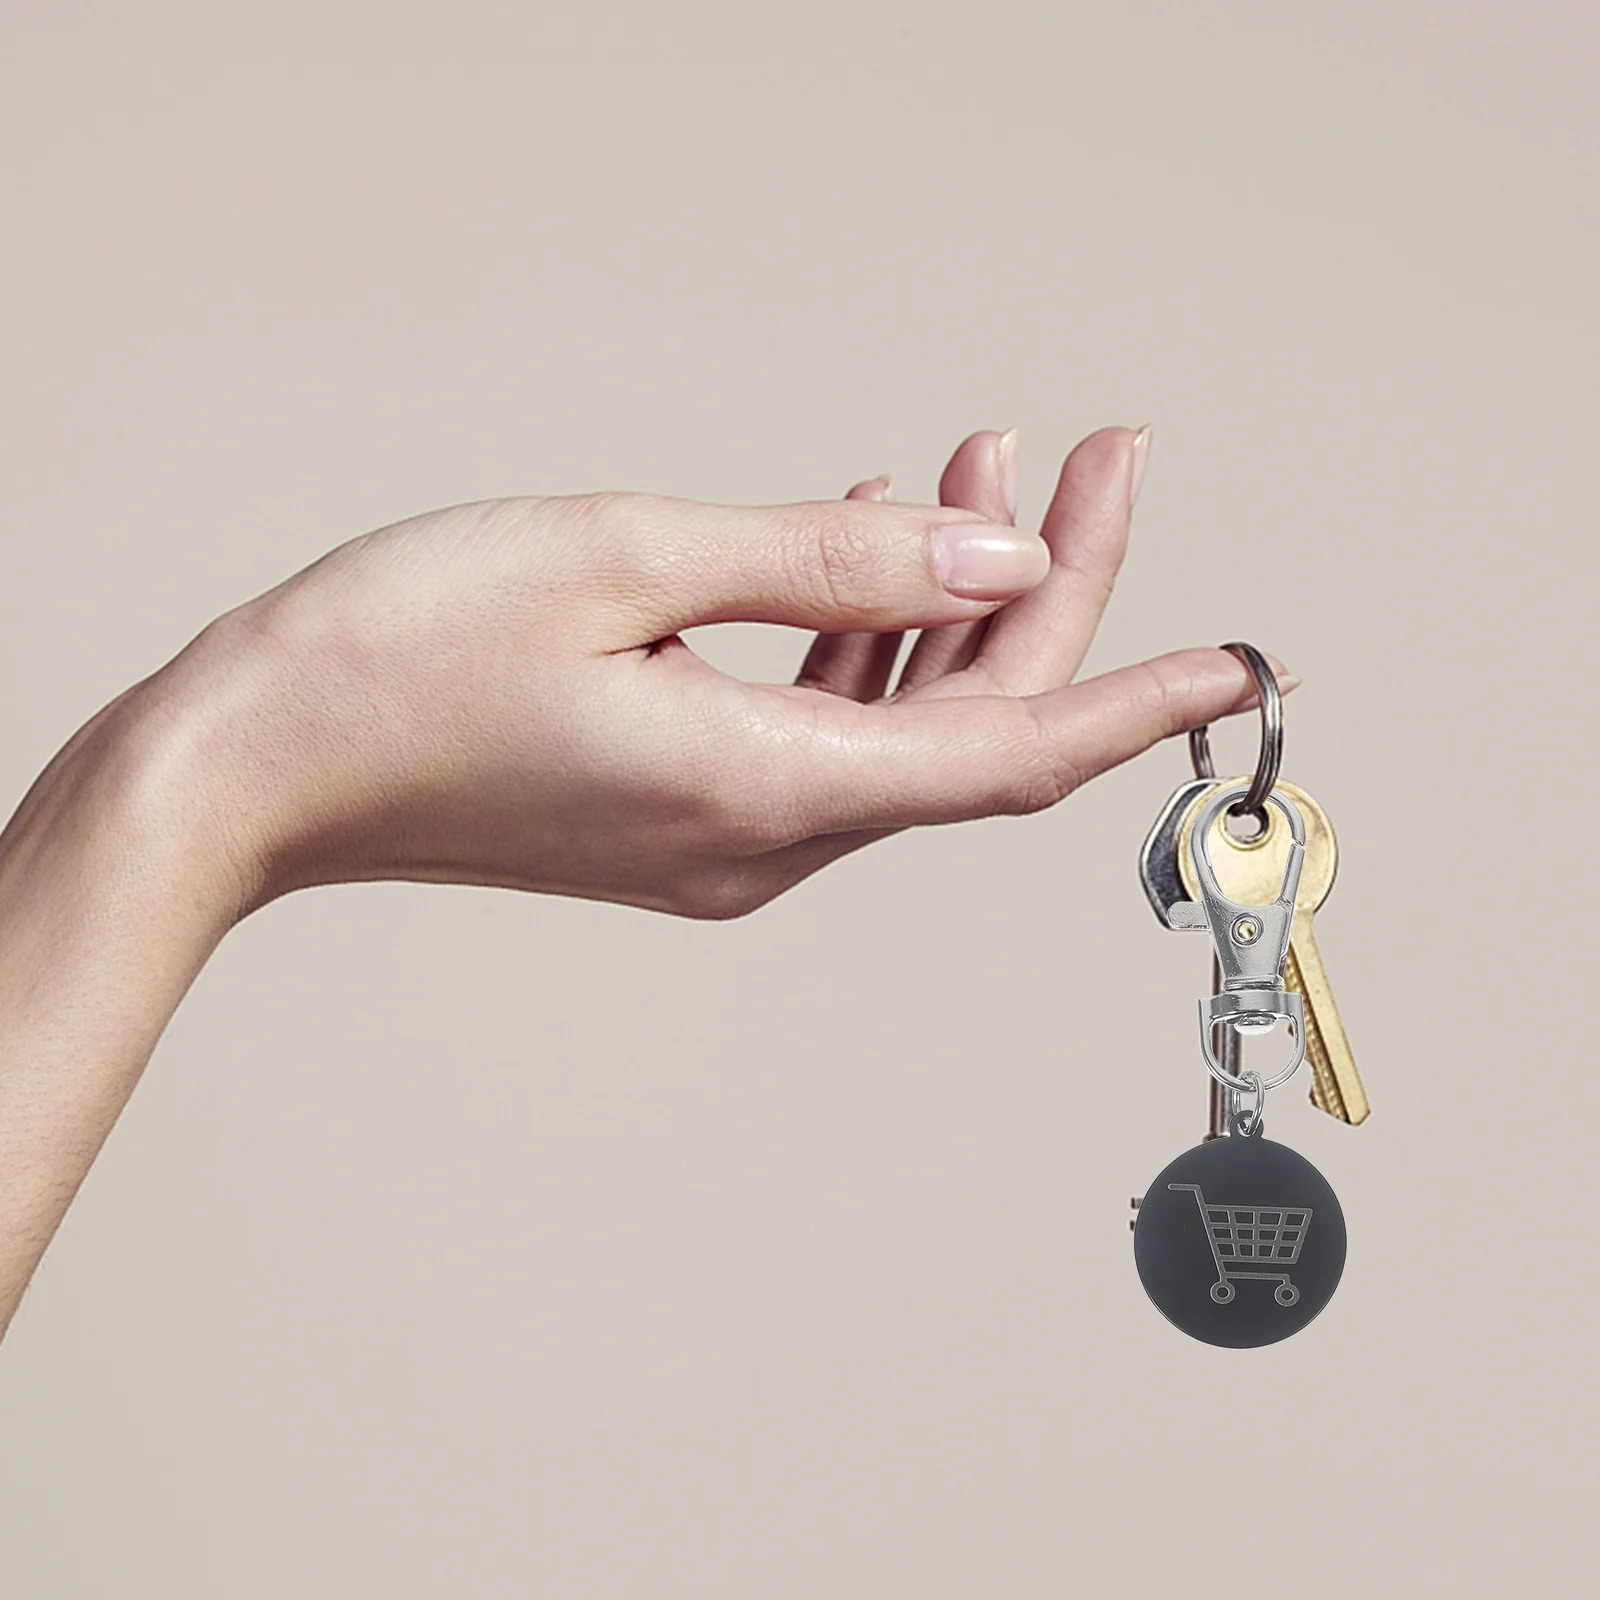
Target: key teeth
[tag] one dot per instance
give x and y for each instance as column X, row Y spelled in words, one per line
column 1327, row 1094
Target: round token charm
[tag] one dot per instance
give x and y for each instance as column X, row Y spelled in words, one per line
column 1240, row 1242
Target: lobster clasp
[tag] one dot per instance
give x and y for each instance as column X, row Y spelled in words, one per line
column 1251, row 941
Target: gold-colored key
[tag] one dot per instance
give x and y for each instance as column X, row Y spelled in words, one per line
column 1251, row 872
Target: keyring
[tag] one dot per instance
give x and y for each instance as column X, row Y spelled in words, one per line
column 1247, row 1124
column 1270, row 757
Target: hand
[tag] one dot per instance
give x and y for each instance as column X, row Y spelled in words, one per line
column 499, row 693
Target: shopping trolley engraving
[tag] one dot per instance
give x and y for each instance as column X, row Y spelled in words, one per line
column 1244, row 1239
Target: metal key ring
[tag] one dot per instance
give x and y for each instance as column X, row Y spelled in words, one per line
column 1270, row 757
column 1247, row 1124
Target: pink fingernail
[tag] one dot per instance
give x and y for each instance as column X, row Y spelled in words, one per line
column 1141, row 459
column 988, row 560
column 1006, row 450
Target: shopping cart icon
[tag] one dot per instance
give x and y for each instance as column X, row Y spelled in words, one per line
column 1244, row 1239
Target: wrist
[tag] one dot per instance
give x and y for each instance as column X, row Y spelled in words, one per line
column 149, row 796
column 117, row 879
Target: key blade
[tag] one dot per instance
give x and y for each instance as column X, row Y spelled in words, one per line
column 1336, row 1086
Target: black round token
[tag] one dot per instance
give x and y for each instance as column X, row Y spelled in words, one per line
column 1240, row 1242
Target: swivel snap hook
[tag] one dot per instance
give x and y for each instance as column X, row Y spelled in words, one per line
column 1251, row 942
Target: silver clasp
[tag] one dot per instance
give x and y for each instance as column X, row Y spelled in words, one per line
column 1251, row 942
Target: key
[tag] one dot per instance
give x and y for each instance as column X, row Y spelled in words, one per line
column 1158, row 860
column 1169, row 899
column 1251, row 871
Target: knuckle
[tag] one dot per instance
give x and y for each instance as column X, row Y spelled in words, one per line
column 623, row 524
column 844, row 555
column 299, row 624
column 615, row 510
column 736, row 818
column 1173, row 697
column 1159, row 696
column 720, row 894
column 754, row 821
column 1045, row 772
column 1093, row 575
column 758, row 793
column 618, row 520
column 628, row 546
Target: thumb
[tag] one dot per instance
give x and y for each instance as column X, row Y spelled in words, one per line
column 836, row 566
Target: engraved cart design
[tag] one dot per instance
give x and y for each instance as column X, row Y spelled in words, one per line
column 1246, row 1239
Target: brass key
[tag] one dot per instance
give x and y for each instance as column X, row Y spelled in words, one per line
column 1250, row 871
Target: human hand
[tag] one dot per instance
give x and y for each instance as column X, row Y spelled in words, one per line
column 499, row 693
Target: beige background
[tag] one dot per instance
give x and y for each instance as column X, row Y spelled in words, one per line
column 471, row 1245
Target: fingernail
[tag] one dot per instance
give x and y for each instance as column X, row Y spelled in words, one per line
column 1141, row 459
column 1288, row 681
column 1007, row 452
column 988, row 560
column 888, row 486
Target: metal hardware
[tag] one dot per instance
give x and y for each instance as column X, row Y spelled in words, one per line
column 1223, row 1104
column 1290, row 1010
column 1247, row 1124
column 1251, row 870
column 1270, row 757
column 1251, row 997
column 1160, row 866
column 1256, row 963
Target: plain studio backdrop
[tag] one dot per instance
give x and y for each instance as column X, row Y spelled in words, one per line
column 463, row 1243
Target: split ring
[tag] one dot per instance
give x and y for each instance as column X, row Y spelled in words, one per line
column 1248, row 1123
column 1270, row 757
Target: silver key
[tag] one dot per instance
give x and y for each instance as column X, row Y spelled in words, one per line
column 1169, row 898
column 1158, row 860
